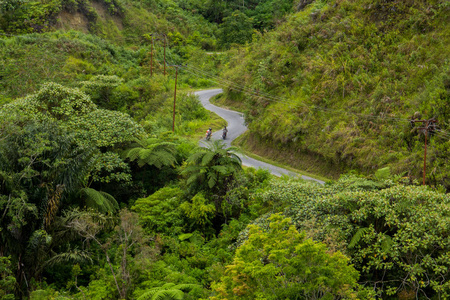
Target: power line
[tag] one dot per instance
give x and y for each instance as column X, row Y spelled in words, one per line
column 279, row 99
column 265, row 96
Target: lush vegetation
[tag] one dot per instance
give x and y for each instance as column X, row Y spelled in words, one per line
column 100, row 199
column 340, row 80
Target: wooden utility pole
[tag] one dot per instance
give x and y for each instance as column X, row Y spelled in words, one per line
column 428, row 126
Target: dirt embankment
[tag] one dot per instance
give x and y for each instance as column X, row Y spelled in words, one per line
column 72, row 21
column 79, row 22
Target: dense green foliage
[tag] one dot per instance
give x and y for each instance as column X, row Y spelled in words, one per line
column 99, row 199
column 279, row 263
column 397, row 236
column 238, row 20
column 67, row 166
column 341, row 79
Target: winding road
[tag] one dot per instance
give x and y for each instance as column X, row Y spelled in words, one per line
column 236, row 127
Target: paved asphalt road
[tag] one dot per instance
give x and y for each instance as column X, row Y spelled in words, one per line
column 236, row 127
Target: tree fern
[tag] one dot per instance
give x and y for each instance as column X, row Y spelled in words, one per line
column 207, row 166
column 221, row 169
column 101, row 201
column 168, row 285
column 162, row 294
column 74, row 256
column 168, row 291
column 169, row 295
column 153, row 152
column 207, row 158
column 386, row 242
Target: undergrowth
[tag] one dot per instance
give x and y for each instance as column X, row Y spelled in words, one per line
column 351, row 74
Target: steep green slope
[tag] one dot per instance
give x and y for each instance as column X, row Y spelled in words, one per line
column 345, row 78
column 29, row 60
column 120, row 21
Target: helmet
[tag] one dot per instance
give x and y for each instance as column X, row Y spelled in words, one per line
column 210, row 128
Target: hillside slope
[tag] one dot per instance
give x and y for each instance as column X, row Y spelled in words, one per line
column 122, row 22
column 340, row 80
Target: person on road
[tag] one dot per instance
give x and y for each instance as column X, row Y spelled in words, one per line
column 224, row 132
column 208, row 133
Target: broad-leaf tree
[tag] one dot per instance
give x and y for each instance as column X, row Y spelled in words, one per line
column 397, row 236
column 56, row 153
column 278, row 262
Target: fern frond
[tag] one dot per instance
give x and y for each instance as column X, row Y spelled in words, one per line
column 111, row 202
column 132, row 154
column 207, row 158
column 160, row 293
column 224, row 170
column 72, row 257
column 383, row 174
column 148, row 295
column 193, row 178
column 212, row 179
column 186, row 287
column 196, row 157
column 101, row 201
column 168, row 285
column 158, row 155
column 358, row 236
column 144, row 154
column 169, row 295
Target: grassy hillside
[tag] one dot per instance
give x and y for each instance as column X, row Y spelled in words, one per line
column 123, row 22
column 342, row 79
column 115, row 77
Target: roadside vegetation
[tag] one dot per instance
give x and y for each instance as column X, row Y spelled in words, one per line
column 341, row 80
column 100, row 199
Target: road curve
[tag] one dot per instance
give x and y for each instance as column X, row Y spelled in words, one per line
column 236, row 127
